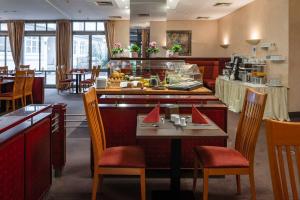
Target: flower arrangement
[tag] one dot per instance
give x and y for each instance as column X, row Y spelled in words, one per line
column 176, row 48
column 135, row 48
column 153, row 49
column 117, row 49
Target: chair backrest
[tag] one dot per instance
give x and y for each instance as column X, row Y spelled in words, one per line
column 283, row 139
column 19, row 85
column 95, row 123
column 4, row 70
column 24, row 67
column 249, row 123
column 29, row 82
column 21, row 73
column 58, row 73
column 95, row 73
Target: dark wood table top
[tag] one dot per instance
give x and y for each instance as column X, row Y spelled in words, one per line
column 167, row 129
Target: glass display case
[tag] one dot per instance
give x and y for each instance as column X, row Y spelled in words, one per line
column 152, row 73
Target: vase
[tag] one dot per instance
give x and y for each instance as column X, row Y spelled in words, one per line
column 134, row 54
column 175, row 54
column 153, row 55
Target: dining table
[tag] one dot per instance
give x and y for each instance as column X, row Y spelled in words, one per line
column 166, row 129
column 78, row 77
column 4, row 88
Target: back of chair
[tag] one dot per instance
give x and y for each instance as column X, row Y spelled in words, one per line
column 4, row 70
column 21, row 73
column 29, row 82
column 249, row 123
column 283, row 140
column 24, row 67
column 95, row 73
column 19, row 86
column 95, row 123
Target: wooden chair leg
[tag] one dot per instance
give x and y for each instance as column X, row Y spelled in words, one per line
column 238, row 184
column 205, row 184
column 252, row 185
column 31, row 99
column 13, row 104
column 7, row 105
column 100, row 183
column 195, row 174
column 95, row 186
column 24, row 99
column 143, row 185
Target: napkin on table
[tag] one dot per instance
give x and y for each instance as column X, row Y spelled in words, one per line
column 197, row 116
column 153, row 116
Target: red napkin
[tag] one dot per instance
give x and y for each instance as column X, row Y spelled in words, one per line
column 197, row 116
column 153, row 116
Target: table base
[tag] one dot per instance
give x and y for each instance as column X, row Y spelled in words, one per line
column 164, row 195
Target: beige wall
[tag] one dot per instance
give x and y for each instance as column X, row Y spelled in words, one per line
column 265, row 19
column 294, row 58
column 122, row 32
column 204, row 35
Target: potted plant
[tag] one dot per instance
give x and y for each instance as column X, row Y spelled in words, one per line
column 117, row 50
column 135, row 50
column 153, row 49
column 176, row 49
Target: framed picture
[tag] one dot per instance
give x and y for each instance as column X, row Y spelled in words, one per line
column 184, row 38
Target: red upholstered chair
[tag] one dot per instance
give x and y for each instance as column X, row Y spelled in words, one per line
column 89, row 82
column 122, row 160
column 239, row 161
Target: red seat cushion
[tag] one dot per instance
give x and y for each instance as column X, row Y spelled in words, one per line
column 87, row 81
column 123, row 156
column 220, row 157
column 66, row 80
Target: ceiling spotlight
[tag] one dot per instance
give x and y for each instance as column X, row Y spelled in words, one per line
column 126, row 7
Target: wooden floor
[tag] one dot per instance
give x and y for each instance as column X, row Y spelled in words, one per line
column 76, row 182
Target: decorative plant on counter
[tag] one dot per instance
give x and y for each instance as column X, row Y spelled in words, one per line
column 135, row 50
column 117, row 49
column 153, row 49
column 176, row 49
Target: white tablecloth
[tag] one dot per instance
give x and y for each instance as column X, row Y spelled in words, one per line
column 232, row 94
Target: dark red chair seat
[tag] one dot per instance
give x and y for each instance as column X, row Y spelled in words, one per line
column 210, row 83
column 87, row 81
column 7, row 94
column 220, row 157
column 123, row 156
column 66, row 80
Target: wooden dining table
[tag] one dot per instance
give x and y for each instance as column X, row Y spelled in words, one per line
column 166, row 129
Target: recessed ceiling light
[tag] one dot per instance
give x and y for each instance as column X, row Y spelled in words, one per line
column 104, row 3
column 115, row 17
column 9, row 11
column 202, row 17
column 222, row 4
column 126, row 7
column 143, row 15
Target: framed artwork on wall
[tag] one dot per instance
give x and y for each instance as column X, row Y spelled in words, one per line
column 184, row 38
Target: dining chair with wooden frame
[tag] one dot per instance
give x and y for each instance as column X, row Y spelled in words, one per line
column 89, row 82
column 122, row 160
column 239, row 161
column 28, row 86
column 22, row 73
column 4, row 71
column 63, row 83
column 17, row 93
column 283, row 139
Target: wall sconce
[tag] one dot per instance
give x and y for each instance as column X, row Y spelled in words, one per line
column 224, row 46
column 253, row 41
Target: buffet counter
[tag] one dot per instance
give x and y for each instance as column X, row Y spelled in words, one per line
column 232, row 94
column 150, row 91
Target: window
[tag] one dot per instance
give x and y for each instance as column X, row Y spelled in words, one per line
column 39, row 48
column 6, row 58
column 89, row 44
column 3, row 26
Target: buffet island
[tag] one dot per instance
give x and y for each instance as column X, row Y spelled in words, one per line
column 134, row 87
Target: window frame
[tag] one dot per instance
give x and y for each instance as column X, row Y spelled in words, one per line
column 90, row 36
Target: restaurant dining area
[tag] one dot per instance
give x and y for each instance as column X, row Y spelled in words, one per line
column 149, row 99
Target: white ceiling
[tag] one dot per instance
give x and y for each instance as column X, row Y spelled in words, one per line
column 86, row 9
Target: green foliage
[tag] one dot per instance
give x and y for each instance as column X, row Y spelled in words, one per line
column 176, row 48
column 135, row 48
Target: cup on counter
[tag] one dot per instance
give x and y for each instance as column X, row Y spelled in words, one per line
column 182, row 121
column 177, row 120
column 173, row 116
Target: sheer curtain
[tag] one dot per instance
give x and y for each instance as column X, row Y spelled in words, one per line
column 63, row 45
column 110, row 36
column 16, row 37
